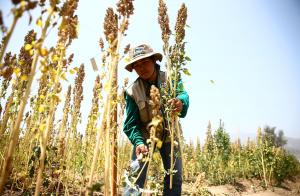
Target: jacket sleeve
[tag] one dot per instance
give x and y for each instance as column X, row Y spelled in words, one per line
column 183, row 97
column 131, row 125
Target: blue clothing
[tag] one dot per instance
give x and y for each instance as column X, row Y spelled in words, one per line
column 165, row 152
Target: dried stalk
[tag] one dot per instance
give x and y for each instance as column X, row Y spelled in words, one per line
column 174, row 55
column 114, row 34
column 5, row 118
column 155, row 126
column 17, row 12
column 7, row 37
column 62, row 129
column 97, row 148
column 46, row 134
column 7, row 166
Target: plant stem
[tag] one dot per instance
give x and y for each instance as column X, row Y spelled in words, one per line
column 7, row 37
column 7, row 166
column 46, row 134
column 97, row 148
column 6, row 115
column 172, row 152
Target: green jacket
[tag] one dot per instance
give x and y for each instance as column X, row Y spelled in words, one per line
column 132, row 125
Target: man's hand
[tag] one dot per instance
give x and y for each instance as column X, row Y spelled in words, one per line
column 176, row 104
column 141, row 150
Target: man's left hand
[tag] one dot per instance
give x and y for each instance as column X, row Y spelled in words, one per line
column 176, row 104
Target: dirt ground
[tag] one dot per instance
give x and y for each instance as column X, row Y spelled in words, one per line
column 241, row 188
column 247, row 187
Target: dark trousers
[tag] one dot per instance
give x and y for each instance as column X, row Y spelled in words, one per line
column 165, row 153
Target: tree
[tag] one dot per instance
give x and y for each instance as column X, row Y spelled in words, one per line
column 222, row 141
column 208, row 147
column 280, row 139
column 272, row 138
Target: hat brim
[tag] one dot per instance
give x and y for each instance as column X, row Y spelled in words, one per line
column 156, row 55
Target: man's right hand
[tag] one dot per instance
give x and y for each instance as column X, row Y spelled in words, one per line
column 141, row 150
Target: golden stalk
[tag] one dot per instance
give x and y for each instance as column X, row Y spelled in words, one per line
column 173, row 64
column 7, row 166
column 155, row 126
column 62, row 129
column 97, row 148
column 111, row 126
column 114, row 31
column 17, row 12
column 111, row 160
column 46, row 134
column 6, row 115
column 7, row 37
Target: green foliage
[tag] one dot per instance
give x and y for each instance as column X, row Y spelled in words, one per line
column 274, row 139
column 222, row 141
column 286, row 166
column 224, row 161
column 203, row 192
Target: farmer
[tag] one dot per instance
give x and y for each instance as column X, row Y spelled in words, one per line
column 143, row 61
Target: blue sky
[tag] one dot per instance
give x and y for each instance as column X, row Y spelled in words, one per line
column 250, row 49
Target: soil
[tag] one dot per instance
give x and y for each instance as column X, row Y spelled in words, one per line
column 241, row 188
column 249, row 188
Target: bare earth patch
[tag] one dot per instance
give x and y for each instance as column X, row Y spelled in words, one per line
column 243, row 188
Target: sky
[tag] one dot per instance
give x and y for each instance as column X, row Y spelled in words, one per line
column 249, row 48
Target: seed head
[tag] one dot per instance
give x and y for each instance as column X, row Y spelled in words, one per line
column 125, row 7
column 155, row 100
column 127, row 48
column 78, row 91
column 25, row 57
column 68, row 28
column 101, row 44
column 180, row 23
column 163, row 20
column 7, row 69
column 70, row 59
column 110, row 25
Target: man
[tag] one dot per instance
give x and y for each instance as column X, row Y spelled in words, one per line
column 143, row 61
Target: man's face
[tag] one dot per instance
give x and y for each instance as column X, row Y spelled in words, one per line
column 144, row 68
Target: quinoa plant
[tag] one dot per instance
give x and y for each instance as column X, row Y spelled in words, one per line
column 176, row 59
column 90, row 136
column 17, row 70
column 63, row 126
column 37, row 46
column 17, row 11
column 6, row 73
column 155, row 127
column 56, row 71
column 115, row 26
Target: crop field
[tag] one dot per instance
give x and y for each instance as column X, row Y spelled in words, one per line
column 42, row 151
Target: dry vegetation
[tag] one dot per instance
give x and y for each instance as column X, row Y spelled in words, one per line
column 42, row 154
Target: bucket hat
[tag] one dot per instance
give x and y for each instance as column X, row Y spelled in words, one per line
column 140, row 52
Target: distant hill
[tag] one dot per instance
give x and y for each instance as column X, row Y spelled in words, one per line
column 293, row 145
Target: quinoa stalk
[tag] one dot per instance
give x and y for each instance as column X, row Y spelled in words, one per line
column 7, row 165
column 6, row 115
column 114, row 31
column 7, row 37
column 62, row 129
column 176, row 58
column 155, row 126
column 111, row 119
column 91, row 137
column 46, row 134
column 97, row 148
column 17, row 12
